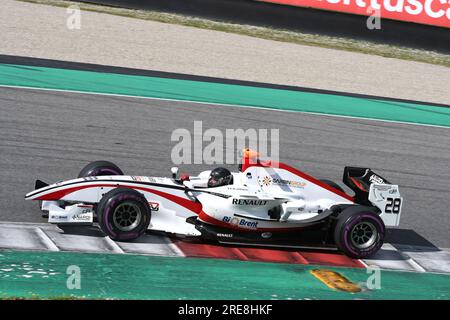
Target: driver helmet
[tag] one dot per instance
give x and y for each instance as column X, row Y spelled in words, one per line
column 219, row 177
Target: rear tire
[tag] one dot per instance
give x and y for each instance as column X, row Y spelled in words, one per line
column 123, row 214
column 100, row 168
column 359, row 232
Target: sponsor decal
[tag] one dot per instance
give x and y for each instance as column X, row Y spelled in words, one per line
column 237, row 189
column 147, row 179
column 376, row 179
column 241, row 222
column 82, row 216
column 267, row 181
column 57, row 217
column 154, row 206
column 393, row 191
column 225, row 235
column 290, row 183
column 266, row 235
column 249, row 202
column 433, row 12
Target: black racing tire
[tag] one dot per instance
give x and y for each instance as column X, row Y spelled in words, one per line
column 332, row 184
column 123, row 214
column 100, row 168
column 359, row 232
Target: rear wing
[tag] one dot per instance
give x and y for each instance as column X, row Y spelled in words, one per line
column 374, row 190
column 359, row 180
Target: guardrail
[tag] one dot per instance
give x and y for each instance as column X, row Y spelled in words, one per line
column 431, row 12
column 305, row 20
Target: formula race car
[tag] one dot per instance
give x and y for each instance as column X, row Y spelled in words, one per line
column 265, row 203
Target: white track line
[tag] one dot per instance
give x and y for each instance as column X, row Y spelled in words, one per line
column 174, row 247
column 387, row 262
column 114, row 246
column 363, row 263
column 413, row 263
column 48, row 242
column 227, row 105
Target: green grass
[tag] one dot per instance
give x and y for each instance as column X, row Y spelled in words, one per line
column 346, row 44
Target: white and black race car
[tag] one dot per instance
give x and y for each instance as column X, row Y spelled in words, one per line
column 264, row 203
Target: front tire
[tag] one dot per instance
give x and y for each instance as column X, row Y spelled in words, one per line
column 123, row 214
column 359, row 232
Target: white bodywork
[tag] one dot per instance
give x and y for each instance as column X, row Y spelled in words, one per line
column 243, row 205
column 387, row 198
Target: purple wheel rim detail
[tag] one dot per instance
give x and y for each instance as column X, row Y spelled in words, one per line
column 348, row 228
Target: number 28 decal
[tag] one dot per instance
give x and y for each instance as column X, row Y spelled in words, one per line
column 393, row 205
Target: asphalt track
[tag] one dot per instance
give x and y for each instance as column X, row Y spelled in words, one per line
column 50, row 135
